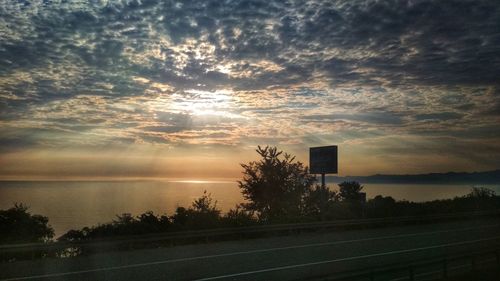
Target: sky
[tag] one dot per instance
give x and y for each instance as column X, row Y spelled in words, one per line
column 98, row 89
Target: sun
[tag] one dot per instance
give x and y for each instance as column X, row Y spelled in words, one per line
column 205, row 103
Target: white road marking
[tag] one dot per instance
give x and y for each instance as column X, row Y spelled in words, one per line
column 347, row 259
column 245, row 252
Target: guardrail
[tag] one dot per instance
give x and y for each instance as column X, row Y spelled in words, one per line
column 34, row 250
column 438, row 268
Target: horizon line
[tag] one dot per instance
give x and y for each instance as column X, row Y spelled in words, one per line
column 114, row 178
column 194, row 179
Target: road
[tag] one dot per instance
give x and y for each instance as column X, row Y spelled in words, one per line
column 293, row 257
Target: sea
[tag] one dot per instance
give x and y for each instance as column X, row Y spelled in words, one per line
column 76, row 204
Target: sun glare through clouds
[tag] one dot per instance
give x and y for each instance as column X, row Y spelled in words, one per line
column 400, row 86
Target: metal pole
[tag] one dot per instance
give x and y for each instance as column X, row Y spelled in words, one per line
column 323, row 184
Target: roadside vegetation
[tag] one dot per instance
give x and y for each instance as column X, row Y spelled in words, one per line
column 277, row 189
column 17, row 225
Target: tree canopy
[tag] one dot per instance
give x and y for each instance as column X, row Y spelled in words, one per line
column 17, row 225
column 350, row 191
column 276, row 185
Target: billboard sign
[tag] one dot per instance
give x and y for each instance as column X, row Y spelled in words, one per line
column 323, row 160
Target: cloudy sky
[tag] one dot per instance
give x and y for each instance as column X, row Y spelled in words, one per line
column 188, row 89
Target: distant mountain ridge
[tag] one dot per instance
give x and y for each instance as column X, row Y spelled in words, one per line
column 488, row 177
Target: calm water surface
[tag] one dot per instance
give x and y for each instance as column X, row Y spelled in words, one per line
column 76, row 204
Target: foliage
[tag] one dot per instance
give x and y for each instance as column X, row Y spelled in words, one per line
column 17, row 225
column 381, row 206
column 352, row 198
column 124, row 224
column 481, row 192
column 320, row 203
column 275, row 186
column 478, row 199
column 238, row 216
column 202, row 214
column 350, row 191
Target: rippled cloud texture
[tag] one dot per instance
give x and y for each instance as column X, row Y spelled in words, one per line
column 189, row 88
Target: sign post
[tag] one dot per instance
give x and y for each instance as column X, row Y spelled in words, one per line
column 323, row 160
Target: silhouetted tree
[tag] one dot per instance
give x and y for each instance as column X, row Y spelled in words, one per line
column 124, row 224
column 180, row 217
column 381, row 206
column 124, row 219
column 239, row 216
column 350, row 191
column 202, row 214
column 276, row 185
column 18, row 225
column 352, row 198
column 482, row 198
column 205, row 204
column 320, row 203
column 73, row 235
column 481, row 192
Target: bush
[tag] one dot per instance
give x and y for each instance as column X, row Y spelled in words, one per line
column 320, row 203
column 17, row 225
column 202, row 214
column 238, row 217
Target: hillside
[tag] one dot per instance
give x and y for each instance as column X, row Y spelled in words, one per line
column 488, row 177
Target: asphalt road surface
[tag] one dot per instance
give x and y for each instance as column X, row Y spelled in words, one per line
column 295, row 257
